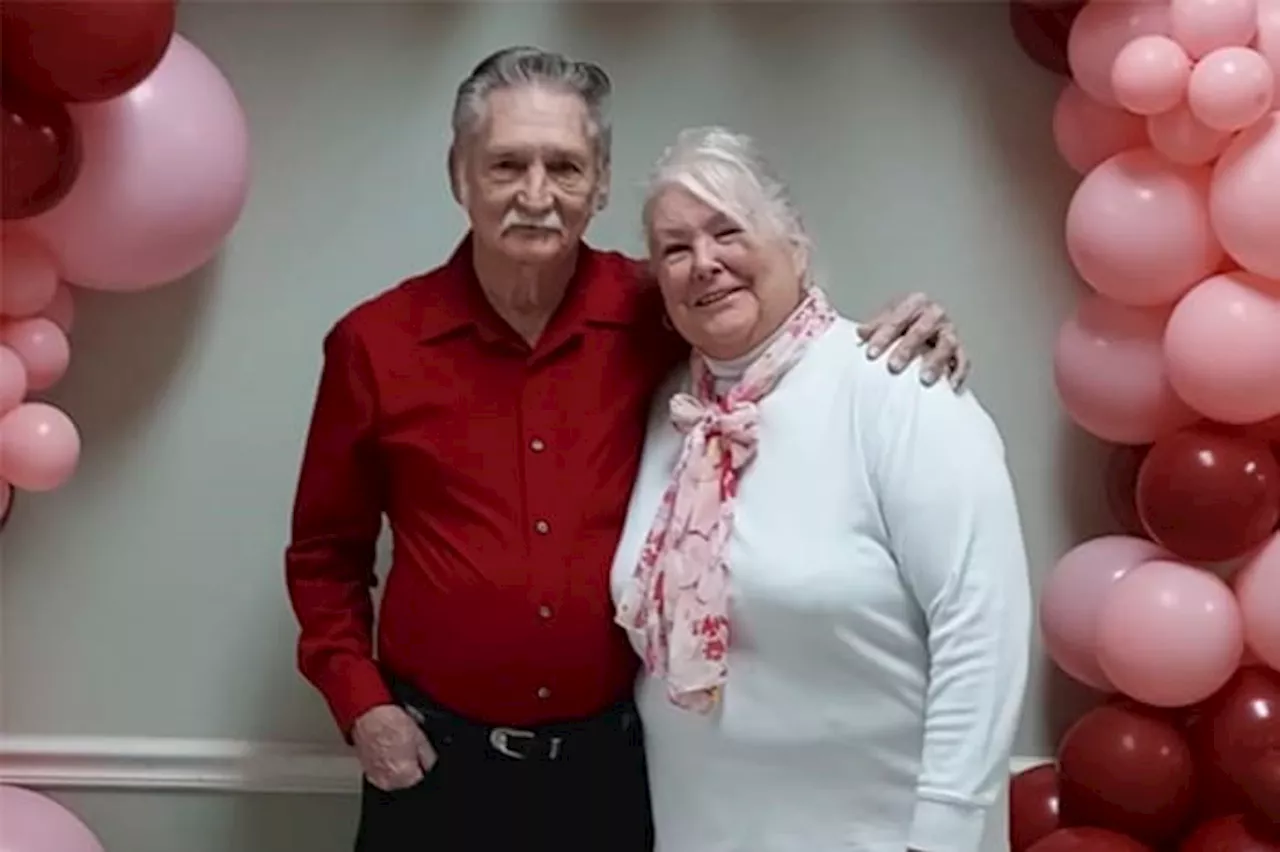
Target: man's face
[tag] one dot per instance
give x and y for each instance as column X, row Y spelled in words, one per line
column 529, row 177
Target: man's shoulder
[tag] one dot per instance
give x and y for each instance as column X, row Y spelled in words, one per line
column 396, row 306
column 617, row 262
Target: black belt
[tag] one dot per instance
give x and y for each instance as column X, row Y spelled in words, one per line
column 619, row 725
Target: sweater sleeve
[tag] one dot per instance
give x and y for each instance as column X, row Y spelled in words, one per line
column 954, row 528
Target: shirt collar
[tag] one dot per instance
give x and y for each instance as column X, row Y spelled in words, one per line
column 605, row 290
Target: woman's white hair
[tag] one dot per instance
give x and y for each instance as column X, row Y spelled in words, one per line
column 726, row 171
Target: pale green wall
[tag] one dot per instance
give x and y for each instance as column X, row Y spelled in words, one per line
column 145, row 598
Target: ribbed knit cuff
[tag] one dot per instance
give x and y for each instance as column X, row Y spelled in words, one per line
column 939, row 826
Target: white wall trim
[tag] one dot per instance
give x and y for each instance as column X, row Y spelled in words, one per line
column 156, row 763
column 211, row 765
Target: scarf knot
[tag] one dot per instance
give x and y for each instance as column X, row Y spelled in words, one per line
column 728, row 429
column 678, row 604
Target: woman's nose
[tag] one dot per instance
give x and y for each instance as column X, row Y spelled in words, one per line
column 705, row 264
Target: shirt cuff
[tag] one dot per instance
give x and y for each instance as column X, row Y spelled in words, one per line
column 944, row 826
column 352, row 688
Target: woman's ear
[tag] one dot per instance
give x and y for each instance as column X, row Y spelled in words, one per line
column 800, row 258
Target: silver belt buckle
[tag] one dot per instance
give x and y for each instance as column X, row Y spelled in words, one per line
column 500, row 739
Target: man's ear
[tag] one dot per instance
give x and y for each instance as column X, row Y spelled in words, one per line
column 602, row 191
column 454, row 165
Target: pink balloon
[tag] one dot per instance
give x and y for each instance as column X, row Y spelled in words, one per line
column 1138, row 228
column 1108, row 368
column 1202, row 26
column 30, row 822
column 1100, row 32
column 1231, row 88
column 28, row 276
column 43, row 348
column 1087, row 132
column 13, row 380
column 39, row 447
column 1150, row 75
column 1244, row 197
column 1072, row 599
column 1268, row 40
column 1184, row 139
column 61, row 309
column 164, row 178
column 1222, row 348
column 1170, row 635
column 1257, row 587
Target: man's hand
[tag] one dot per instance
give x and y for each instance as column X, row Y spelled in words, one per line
column 921, row 329
column 393, row 751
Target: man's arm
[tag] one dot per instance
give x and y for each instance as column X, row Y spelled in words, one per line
column 954, row 526
column 914, row 326
column 920, row 328
column 337, row 515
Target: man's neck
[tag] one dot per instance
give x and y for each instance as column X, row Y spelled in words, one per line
column 525, row 296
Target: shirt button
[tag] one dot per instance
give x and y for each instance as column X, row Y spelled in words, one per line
column 544, row 611
column 543, row 692
column 542, row 527
column 536, row 445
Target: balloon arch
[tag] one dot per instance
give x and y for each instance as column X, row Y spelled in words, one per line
column 1171, row 115
column 125, row 166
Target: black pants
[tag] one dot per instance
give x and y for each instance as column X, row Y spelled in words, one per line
column 592, row 797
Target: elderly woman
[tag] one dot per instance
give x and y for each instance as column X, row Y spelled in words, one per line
column 822, row 565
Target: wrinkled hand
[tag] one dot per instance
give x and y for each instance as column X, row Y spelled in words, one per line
column 393, row 751
column 921, row 329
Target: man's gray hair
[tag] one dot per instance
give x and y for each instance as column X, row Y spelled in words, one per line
column 527, row 66
column 727, row 171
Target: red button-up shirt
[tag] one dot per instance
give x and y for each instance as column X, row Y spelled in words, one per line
column 504, row 472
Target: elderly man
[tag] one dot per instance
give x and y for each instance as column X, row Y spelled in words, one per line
column 493, row 409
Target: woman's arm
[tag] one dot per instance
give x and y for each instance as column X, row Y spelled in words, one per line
column 954, row 527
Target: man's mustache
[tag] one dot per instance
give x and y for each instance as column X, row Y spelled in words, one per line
column 549, row 221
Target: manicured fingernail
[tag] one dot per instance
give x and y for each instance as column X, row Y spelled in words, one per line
column 928, row 377
column 874, row 352
column 899, row 362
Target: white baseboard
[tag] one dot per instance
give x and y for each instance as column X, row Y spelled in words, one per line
column 210, row 765
column 158, row 763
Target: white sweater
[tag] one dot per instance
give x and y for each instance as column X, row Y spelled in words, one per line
column 880, row 624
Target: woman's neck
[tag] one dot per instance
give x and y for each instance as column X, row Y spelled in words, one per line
column 727, row 371
column 732, row 369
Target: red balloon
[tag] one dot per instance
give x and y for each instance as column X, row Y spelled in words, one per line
column 39, row 153
column 1041, row 28
column 1088, row 840
column 1207, row 496
column 1231, row 834
column 1121, row 486
column 1262, row 786
column 84, row 50
column 1127, row 770
column 1033, row 807
column 1230, row 733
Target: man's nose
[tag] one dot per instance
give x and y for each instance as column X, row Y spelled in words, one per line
column 535, row 195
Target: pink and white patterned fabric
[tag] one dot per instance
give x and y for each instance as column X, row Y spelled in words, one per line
column 678, row 604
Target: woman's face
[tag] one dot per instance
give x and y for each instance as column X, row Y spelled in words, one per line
column 725, row 289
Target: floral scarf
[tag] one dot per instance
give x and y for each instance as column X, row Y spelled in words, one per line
column 678, row 604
